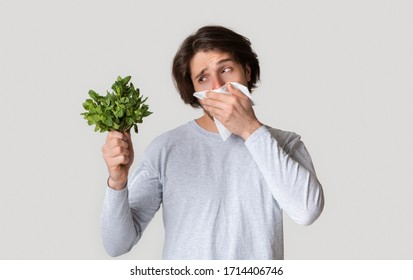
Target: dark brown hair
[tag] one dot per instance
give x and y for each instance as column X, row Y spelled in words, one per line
column 212, row 38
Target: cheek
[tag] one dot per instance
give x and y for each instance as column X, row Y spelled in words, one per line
column 235, row 77
column 202, row 87
column 229, row 78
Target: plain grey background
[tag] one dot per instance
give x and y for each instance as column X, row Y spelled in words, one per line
column 339, row 73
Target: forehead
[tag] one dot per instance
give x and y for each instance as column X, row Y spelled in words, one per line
column 207, row 59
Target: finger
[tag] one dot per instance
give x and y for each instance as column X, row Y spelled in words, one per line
column 216, row 112
column 219, row 114
column 208, row 103
column 114, row 148
column 218, row 100
column 236, row 92
column 112, row 143
column 117, row 135
column 117, row 151
column 119, row 160
column 128, row 138
column 129, row 141
column 217, row 96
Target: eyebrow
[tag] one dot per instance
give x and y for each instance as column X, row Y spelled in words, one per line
column 222, row 61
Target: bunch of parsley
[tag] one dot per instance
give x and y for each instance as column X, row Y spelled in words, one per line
column 119, row 110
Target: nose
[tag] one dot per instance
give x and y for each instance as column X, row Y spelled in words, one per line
column 217, row 82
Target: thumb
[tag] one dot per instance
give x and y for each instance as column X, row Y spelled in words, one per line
column 129, row 140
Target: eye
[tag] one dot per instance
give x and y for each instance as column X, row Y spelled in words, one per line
column 226, row 70
column 201, row 79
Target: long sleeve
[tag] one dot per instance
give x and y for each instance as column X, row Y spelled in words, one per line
column 288, row 171
column 126, row 213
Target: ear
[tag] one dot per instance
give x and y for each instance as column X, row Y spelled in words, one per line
column 248, row 73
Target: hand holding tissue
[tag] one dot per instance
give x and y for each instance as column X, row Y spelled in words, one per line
column 223, row 131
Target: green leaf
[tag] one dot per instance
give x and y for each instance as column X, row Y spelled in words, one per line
column 119, row 113
column 147, row 114
column 108, row 121
column 120, row 109
column 94, row 95
column 126, row 79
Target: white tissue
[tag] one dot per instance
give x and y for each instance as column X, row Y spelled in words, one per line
column 223, row 131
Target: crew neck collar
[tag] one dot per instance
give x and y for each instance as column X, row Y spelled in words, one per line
column 206, row 133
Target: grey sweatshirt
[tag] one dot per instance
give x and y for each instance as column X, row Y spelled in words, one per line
column 221, row 199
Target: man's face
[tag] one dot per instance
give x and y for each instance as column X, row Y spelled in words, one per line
column 213, row 69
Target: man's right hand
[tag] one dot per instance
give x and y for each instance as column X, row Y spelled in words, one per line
column 118, row 155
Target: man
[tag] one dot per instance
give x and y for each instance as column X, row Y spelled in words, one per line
column 221, row 199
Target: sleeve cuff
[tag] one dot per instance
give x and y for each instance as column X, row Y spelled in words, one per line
column 112, row 193
column 256, row 135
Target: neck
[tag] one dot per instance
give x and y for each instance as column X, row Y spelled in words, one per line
column 207, row 122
